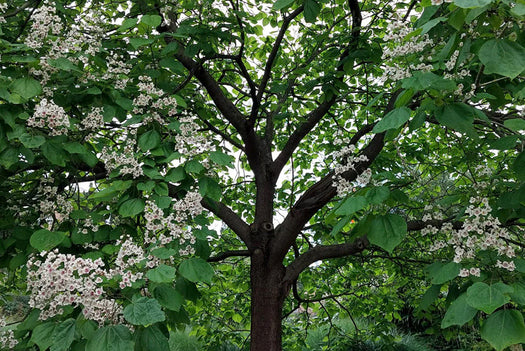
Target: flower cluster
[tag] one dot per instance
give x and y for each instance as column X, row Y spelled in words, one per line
column 397, row 31
column 63, row 280
column 44, row 19
column 3, row 7
column 51, row 204
column 93, row 120
column 48, row 114
column 124, row 161
column 118, row 70
column 346, row 161
column 189, row 142
column 479, row 232
column 128, row 256
column 151, row 100
column 162, row 230
column 7, row 337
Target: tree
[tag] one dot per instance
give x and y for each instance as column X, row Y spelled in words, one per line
column 313, row 130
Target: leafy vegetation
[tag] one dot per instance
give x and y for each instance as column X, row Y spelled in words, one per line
column 262, row 175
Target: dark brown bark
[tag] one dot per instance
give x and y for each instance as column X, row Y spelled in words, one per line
column 267, row 297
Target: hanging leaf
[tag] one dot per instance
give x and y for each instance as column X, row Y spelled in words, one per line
column 63, row 335
column 196, row 270
column 168, row 297
column 26, row 87
column 281, row 4
column 351, row 205
column 311, row 10
column 151, row 339
column 488, row 298
column 111, row 338
column 149, row 140
column 131, row 207
column 45, row 240
column 504, row 328
column 503, row 57
column 458, row 313
column 394, row 119
column 387, row 231
column 447, row 272
column 162, row 274
column 144, row 311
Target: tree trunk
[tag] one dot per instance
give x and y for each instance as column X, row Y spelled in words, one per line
column 267, row 297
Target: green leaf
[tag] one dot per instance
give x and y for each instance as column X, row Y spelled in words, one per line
column 131, row 207
column 458, row 313
column 168, row 297
column 519, row 165
column 151, row 20
column 63, row 64
column 149, row 140
column 387, row 231
column 340, row 225
column 515, row 124
column 429, row 296
column 42, row 335
column 445, row 273
column 196, row 270
column 138, row 42
column 32, row 141
column 111, row 338
column 311, row 10
column 393, row 119
column 26, row 87
column 488, row 298
column 281, row 4
column 63, row 335
column 457, row 116
column 127, row 24
column 194, row 166
column 470, row 4
column 152, row 339
column 504, row 143
column 426, row 80
column 504, row 328
column 144, row 311
column 502, row 56
column 210, row 188
column 221, row 158
column 45, row 240
column 377, row 195
column 175, row 175
column 518, row 293
column 351, row 205
column 162, row 274
column 55, row 153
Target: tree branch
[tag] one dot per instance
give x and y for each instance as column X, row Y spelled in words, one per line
column 230, row 218
column 269, row 63
column 322, row 192
column 226, row 254
column 322, row 252
column 316, row 115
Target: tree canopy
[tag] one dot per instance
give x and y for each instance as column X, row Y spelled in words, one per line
column 262, row 175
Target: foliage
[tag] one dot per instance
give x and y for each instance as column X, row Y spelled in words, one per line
column 354, row 167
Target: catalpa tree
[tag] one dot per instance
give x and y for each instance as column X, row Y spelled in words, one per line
column 373, row 131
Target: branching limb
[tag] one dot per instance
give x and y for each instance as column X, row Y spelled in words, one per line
column 322, row 252
column 230, row 218
column 316, row 115
column 269, row 63
column 226, row 254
